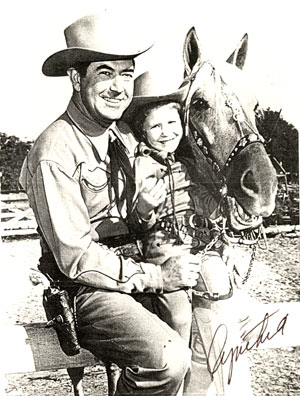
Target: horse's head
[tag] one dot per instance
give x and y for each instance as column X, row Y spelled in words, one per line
column 220, row 119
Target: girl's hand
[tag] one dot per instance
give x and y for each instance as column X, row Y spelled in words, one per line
column 152, row 194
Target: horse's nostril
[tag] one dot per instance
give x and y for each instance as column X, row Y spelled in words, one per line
column 249, row 183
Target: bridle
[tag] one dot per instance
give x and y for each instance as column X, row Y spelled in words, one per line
column 239, row 118
column 244, row 238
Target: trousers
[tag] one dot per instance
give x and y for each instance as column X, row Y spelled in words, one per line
column 129, row 330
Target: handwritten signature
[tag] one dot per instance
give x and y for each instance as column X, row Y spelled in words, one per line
column 235, row 352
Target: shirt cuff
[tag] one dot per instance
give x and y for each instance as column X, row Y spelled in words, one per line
column 152, row 278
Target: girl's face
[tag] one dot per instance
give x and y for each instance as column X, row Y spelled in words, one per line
column 163, row 129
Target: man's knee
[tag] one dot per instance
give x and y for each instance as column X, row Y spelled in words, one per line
column 165, row 374
column 182, row 325
column 178, row 361
column 174, row 361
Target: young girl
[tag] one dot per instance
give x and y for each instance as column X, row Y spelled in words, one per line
column 172, row 207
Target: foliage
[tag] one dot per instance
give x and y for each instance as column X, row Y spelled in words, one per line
column 281, row 140
column 13, row 152
column 282, row 145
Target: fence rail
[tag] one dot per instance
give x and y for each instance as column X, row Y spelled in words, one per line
column 17, row 217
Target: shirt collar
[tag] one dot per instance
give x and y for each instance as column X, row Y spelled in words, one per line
column 100, row 137
column 92, row 130
column 160, row 156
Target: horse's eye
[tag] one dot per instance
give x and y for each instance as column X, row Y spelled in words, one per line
column 200, row 104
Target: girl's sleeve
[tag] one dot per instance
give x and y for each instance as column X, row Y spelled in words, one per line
column 145, row 167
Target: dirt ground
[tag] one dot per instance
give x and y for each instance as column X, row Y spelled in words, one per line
column 275, row 278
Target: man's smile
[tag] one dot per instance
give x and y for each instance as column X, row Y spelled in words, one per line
column 112, row 100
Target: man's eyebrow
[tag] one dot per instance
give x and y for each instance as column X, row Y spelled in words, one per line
column 129, row 69
column 106, row 67
column 100, row 67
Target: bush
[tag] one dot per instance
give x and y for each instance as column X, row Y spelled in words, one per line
column 281, row 140
column 13, row 153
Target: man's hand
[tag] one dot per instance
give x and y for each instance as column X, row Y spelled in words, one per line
column 151, row 196
column 179, row 272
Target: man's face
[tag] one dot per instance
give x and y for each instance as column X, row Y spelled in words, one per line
column 106, row 90
column 163, row 128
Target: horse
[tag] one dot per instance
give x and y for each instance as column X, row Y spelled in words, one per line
column 227, row 149
column 227, row 154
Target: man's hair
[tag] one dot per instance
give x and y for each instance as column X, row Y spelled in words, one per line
column 82, row 67
column 142, row 112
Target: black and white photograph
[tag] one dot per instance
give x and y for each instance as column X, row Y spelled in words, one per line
column 149, row 183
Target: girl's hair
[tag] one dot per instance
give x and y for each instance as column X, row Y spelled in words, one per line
column 142, row 112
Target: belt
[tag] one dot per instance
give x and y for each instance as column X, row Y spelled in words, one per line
column 47, row 265
column 119, row 240
column 126, row 245
column 130, row 250
column 193, row 225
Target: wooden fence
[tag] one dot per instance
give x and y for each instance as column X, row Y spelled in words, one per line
column 17, row 217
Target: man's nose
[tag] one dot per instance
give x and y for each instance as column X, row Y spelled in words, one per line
column 117, row 84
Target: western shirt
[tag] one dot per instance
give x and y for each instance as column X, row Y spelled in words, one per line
column 66, row 176
column 188, row 197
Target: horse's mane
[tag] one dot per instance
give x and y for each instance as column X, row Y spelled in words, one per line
column 197, row 166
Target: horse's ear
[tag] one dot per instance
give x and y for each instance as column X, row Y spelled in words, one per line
column 238, row 57
column 191, row 51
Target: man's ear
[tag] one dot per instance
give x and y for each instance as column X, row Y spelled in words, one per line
column 75, row 78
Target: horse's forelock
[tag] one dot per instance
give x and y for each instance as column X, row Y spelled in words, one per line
column 241, row 84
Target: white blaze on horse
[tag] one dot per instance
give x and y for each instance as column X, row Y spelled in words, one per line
column 228, row 155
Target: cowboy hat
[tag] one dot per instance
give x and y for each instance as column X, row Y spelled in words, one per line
column 154, row 87
column 97, row 38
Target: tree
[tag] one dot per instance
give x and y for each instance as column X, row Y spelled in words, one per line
column 282, row 144
column 281, row 139
column 13, row 152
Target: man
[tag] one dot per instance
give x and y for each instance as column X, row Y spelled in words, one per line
column 77, row 179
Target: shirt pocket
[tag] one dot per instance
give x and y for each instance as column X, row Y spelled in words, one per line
column 94, row 180
column 95, row 187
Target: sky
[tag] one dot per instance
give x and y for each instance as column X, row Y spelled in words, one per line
column 32, row 30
